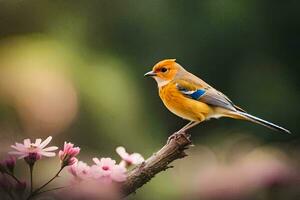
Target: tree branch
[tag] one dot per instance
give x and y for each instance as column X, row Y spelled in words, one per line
column 158, row 162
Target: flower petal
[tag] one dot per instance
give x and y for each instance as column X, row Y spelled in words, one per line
column 38, row 142
column 107, row 161
column 47, row 154
column 27, row 143
column 137, row 158
column 45, row 142
column 16, row 153
column 19, row 145
column 122, row 152
column 22, row 156
column 18, row 148
column 96, row 161
column 52, row 148
column 118, row 173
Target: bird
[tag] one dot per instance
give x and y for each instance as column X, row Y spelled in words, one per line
column 191, row 98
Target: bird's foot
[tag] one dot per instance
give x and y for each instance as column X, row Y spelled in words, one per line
column 177, row 135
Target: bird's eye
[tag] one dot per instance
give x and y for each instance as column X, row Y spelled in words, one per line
column 164, row 69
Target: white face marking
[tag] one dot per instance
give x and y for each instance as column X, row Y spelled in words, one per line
column 161, row 82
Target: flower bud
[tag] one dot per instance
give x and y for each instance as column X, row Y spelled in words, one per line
column 10, row 163
column 67, row 155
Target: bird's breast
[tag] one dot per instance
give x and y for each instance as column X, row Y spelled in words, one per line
column 183, row 106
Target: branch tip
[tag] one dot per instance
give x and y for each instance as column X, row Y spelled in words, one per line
column 159, row 161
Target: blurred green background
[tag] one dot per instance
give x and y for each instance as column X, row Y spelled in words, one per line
column 74, row 70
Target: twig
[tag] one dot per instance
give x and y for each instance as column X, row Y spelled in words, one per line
column 52, row 189
column 158, row 162
column 36, row 192
column 14, row 177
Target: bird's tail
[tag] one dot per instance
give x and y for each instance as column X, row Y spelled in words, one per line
column 243, row 115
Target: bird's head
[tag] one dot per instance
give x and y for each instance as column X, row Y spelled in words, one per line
column 165, row 71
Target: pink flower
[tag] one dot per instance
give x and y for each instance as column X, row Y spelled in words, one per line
column 8, row 164
column 67, row 155
column 80, row 170
column 129, row 159
column 106, row 169
column 118, row 174
column 244, row 178
column 32, row 152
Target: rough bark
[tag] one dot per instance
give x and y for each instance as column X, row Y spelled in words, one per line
column 159, row 161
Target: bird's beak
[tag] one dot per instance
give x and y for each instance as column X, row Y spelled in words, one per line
column 151, row 73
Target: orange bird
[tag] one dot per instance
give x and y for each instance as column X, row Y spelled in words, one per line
column 189, row 97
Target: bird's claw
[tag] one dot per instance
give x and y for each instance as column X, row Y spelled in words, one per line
column 177, row 135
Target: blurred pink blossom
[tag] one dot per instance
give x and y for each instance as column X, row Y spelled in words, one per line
column 90, row 190
column 67, row 155
column 33, row 151
column 242, row 179
column 8, row 164
column 129, row 159
column 80, row 170
column 106, row 169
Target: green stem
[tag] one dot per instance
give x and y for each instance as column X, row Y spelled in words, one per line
column 36, row 191
column 52, row 189
column 31, row 177
column 14, row 177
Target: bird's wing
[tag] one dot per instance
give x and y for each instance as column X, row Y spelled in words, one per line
column 204, row 93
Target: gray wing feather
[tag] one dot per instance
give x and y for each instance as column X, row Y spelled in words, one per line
column 211, row 96
column 216, row 98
